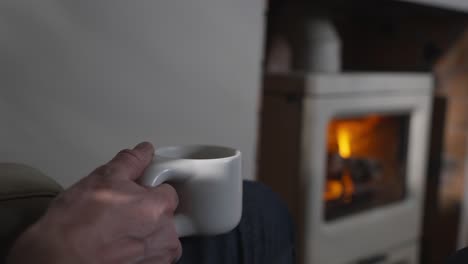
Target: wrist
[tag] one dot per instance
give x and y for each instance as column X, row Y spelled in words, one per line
column 36, row 246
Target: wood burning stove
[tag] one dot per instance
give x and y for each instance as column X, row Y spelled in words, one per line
column 347, row 152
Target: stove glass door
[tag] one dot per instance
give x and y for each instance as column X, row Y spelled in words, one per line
column 366, row 163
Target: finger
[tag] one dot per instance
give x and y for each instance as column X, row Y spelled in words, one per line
column 159, row 260
column 165, row 196
column 164, row 244
column 129, row 163
column 130, row 250
column 148, row 214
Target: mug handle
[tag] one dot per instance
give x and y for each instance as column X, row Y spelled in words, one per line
column 156, row 175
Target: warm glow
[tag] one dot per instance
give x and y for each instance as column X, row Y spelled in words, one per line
column 340, row 189
column 348, row 187
column 364, row 134
column 334, row 190
column 344, row 142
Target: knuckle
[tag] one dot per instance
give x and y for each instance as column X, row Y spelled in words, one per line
column 127, row 160
column 104, row 171
column 175, row 249
column 174, row 245
column 100, row 183
column 158, row 204
column 168, row 196
column 129, row 156
column 102, row 177
column 165, row 242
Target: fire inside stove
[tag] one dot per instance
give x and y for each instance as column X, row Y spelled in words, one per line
column 366, row 163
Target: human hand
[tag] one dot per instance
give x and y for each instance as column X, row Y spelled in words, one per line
column 106, row 218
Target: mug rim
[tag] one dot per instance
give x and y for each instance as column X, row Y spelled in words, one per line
column 183, row 152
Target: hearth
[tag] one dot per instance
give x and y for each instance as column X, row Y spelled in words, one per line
column 347, row 152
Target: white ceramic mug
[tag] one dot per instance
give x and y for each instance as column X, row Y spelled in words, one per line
column 208, row 181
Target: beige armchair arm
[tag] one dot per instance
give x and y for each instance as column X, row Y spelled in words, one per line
column 25, row 194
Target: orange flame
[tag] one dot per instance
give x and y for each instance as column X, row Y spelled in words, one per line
column 333, row 190
column 344, row 187
column 344, row 142
column 340, row 189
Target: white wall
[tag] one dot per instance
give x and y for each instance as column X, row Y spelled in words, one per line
column 80, row 80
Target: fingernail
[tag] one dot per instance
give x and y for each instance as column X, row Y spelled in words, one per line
column 144, row 146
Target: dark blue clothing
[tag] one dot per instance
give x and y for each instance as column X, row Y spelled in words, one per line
column 461, row 257
column 264, row 234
